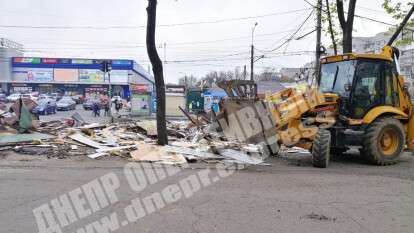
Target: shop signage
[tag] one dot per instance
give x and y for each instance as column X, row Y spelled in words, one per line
column 139, row 88
column 82, row 61
column 64, row 61
column 121, row 62
column 33, row 60
column 49, row 60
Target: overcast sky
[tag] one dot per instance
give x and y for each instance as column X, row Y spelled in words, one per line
column 115, row 29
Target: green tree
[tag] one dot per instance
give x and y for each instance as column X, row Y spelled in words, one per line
column 398, row 10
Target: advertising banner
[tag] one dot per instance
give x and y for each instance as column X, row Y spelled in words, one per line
column 119, row 76
column 40, row 75
column 19, row 74
column 33, row 74
column 66, row 75
column 140, row 104
column 91, row 76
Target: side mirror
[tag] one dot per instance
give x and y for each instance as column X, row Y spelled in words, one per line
column 406, row 87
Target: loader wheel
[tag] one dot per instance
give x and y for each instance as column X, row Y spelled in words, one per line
column 384, row 142
column 321, row 149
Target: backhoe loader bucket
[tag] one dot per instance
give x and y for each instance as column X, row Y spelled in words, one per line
column 276, row 120
column 245, row 117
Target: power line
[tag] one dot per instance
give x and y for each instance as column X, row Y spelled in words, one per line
column 89, row 27
column 293, row 53
column 174, row 45
column 359, row 16
column 293, row 34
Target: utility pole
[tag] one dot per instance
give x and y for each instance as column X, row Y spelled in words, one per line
column 244, row 73
column 165, row 52
column 318, row 35
column 252, row 55
column 106, row 67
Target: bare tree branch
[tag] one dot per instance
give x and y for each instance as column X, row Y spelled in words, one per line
column 331, row 28
column 341, row 13
column 351, row 13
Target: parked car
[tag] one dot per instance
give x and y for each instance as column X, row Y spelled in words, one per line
column 13, row 97
column 35, row 95
column 87, row 105
column 77, row 98
column 3, row 98
column 45, row 107
column 66, row 104
column 56, row 96
column 29, row 96
column 44, row 96
column 116, row 97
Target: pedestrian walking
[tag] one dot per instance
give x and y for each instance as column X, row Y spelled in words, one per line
column 107, row 106
column 96, row 109
column 118, row 105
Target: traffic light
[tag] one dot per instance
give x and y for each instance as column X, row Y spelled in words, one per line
column 106, row 66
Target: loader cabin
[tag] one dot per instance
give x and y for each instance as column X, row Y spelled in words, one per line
column 363, row 81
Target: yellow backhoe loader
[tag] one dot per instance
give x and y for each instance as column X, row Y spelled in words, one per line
column 359, row 100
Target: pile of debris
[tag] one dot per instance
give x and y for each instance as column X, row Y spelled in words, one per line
column 190, row 141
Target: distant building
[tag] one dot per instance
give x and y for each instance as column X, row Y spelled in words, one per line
column 73, row 76
column 174, row 98
column 268, row 87
column 374, row 44
column 289, row 73
column 8, row 49
column 407, row 61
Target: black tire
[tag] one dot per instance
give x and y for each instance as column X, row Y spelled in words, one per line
column 321, row 149
column 372, row 151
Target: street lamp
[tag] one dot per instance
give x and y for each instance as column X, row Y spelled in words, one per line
column 252, row 54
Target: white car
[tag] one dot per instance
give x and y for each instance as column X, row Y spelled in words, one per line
column 116, row 97
column 29, row 96
column 13, row 97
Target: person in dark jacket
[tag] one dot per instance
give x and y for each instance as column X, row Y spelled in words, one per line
column 96, row 109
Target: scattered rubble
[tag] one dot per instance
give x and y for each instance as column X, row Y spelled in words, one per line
column 190, row 141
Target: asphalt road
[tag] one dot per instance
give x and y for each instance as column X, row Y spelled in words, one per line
column 288, row 196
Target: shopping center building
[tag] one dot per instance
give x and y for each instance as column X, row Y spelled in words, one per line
column 72, row 76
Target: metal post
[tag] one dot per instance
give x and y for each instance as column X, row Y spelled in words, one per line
column 252, row 55
column 251, row 63
column 165, row 52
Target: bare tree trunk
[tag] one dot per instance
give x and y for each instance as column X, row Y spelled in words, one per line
column 346, row 25
column 331, row 28
column 158, row 72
